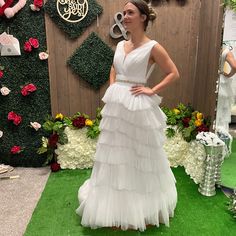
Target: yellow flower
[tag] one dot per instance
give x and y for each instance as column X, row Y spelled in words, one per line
column 59, row 116
column 88, row 122
column 176, row 111
column 198, row 122
column 199, row 115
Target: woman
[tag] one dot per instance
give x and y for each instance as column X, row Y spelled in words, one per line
column 132, row 185
column 226, row 94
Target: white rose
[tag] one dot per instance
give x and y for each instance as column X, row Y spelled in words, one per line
column 1, row 133
column 34, row 8
column 35, row 125
column 5, row 91
column 43, row 56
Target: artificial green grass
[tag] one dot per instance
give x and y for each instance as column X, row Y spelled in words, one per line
column 194, row 215
column 228, row 170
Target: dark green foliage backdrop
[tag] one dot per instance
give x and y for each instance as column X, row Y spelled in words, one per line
column 96, row 64
column 20, row 70
column 73, row 30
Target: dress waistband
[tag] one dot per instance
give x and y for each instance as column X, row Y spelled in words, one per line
column 129, row 81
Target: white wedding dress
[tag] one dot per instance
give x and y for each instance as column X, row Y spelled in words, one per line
column 225, row 97
column 131, row 184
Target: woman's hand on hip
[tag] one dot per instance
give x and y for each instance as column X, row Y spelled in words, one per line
column 139, row 89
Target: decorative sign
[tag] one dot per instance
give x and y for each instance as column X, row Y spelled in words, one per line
column 118, row 19
column 9, row 45
column 72, row 10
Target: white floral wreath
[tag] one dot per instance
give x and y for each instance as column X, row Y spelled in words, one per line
column 9, row 12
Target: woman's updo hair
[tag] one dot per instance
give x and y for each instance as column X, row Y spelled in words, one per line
column 144, row 9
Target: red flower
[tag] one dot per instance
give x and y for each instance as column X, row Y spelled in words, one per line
column 79, row 122
column 202, row 128
column 55, row 167
column 1, row 74
column 27, row 89
column 27, row 47
column 11, row 115
column 38, row 3
column 186, row 121
column 53, row 139
column 34, row 42
column 15, row 149
column 17, row 120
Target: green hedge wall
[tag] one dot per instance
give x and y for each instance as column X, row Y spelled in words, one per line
column 20, row 70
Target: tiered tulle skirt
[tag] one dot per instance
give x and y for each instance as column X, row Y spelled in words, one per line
column 131, row 184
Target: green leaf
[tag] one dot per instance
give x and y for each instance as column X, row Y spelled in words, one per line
column 42, row 150
column 48, row 125
column 170, row 132
column 63, row 139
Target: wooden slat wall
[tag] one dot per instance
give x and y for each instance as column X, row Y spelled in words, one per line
column 211, row 20
column 190, row 34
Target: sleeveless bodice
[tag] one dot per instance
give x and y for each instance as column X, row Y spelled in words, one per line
column 134, row 65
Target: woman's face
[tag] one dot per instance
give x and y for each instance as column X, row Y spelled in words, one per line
column 132, row 17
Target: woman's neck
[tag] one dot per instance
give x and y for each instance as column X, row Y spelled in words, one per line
column 138, row 38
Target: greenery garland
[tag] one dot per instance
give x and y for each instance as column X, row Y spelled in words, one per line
column 19, row 71
column 231, row 4
column 73, row 30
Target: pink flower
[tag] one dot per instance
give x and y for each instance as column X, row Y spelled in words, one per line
column 34, row 42
column 5, row 91
column 16, row 149
column 43, row 56
column 27, row 47
column 1, row 74
column 27, row 89
column 35, row 125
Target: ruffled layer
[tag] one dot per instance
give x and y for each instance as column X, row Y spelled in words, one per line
column 131, row 178
column 125, row 209
column 141, row 146
column 120, row 93
column 151, row 118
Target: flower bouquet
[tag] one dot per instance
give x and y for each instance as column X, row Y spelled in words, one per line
column 57, row 131
column 186, row 120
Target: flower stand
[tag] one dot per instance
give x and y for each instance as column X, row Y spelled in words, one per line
column 212, row 175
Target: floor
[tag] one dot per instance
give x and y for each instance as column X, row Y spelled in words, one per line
column 19, row 197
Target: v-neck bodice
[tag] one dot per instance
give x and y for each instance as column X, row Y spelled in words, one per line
column 133, row 66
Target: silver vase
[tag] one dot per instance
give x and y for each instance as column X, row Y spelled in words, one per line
column 212, row 170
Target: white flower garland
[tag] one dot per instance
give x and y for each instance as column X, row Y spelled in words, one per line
column 194, row 162
column 190, row 155
column 78, row 152
column 176, row 149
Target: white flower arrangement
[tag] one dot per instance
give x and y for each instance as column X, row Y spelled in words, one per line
column 78, row 152
column 194, row 162
column 176, row 149
column 190, row 155
column 209, row 139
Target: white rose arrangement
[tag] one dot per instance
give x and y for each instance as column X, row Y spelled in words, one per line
column 78, row 152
